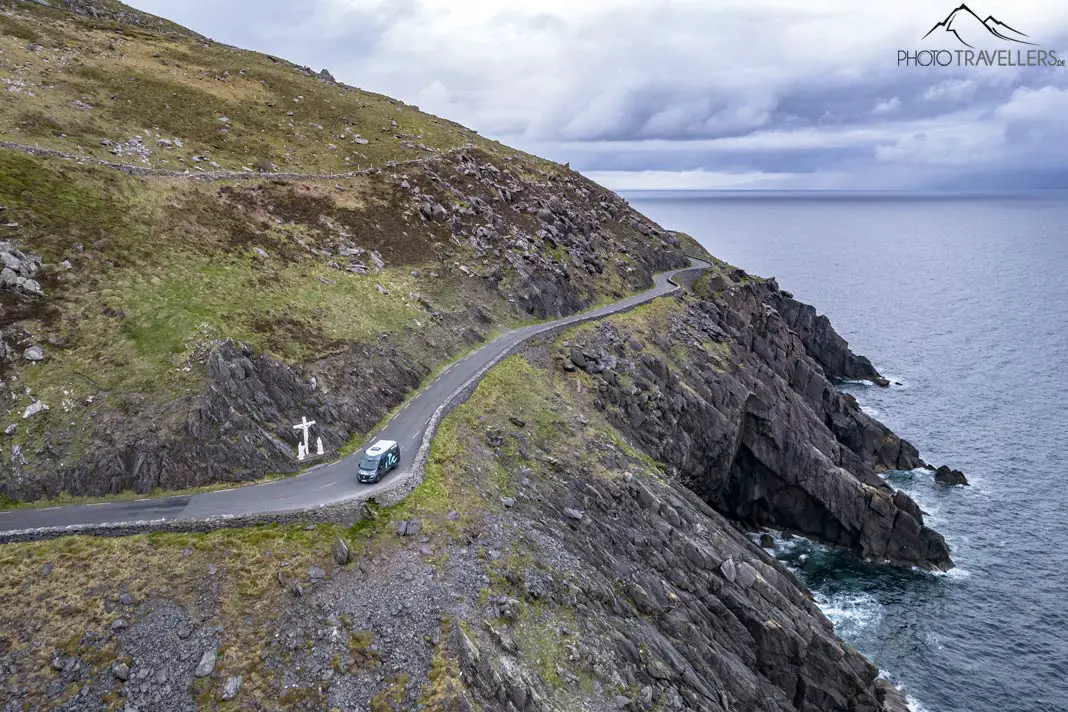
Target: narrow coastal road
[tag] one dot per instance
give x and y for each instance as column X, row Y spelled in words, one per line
column 335, row 482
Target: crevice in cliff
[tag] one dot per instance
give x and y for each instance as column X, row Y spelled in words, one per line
column 750, row 423
column 757, row 497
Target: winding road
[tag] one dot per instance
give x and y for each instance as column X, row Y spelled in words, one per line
column 333, row 483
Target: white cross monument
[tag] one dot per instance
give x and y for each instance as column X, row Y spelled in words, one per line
column 303, row 448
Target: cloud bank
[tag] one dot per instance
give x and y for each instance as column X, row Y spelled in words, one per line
column 692, row 93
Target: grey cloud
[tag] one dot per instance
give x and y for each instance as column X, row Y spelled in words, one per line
column 797, row 161
column 675, row 87
column 313, row 32
column 528, row 21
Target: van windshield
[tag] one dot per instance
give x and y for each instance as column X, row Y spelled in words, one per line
column 369, row 462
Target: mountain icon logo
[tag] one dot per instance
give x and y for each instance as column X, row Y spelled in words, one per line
column 968, row 28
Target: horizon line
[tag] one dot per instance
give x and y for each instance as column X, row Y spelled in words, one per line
column 909, row 191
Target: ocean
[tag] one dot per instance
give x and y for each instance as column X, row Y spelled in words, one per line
column 963, row 300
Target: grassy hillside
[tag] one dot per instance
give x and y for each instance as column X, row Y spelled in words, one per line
column 74, row 82
column 228, row 196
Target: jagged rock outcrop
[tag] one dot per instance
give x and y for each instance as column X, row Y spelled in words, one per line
column 741, row 406
column 238, row 428
column 18, row 271
column 821, row 341
column 946, row 475
column 672, row 608
column 543, row 238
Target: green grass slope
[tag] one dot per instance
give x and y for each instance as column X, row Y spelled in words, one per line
column 345, row 235
column 114, row 90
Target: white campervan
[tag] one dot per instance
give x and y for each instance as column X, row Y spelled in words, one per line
column 379, row 459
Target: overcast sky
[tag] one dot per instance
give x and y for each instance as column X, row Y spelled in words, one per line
column 694, row 94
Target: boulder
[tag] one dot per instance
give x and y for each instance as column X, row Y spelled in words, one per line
column 945, row 475
column 579, row 359
column 30, row 286
column 11, row 262
column 505, row 607
column 747, row 575
column 206, row 666
column 33, row 409
column 342, row 554
column 232, row 687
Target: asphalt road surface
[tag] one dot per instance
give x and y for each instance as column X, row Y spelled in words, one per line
column 329, row 483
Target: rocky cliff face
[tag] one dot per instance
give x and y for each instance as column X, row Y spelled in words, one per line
column 507, row 248
column 740, row 405
column 822, row 342
column 707, row 621
column 545, row 564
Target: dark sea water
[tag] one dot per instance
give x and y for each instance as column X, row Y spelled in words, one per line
column 964, row 300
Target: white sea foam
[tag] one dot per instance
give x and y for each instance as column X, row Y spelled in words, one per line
column 785, row 545
column 850, row 612
column 933, row 640
column 895, row 382
column 788, row 545
column 915, row 706
column 919, row 486
column 954, row 573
